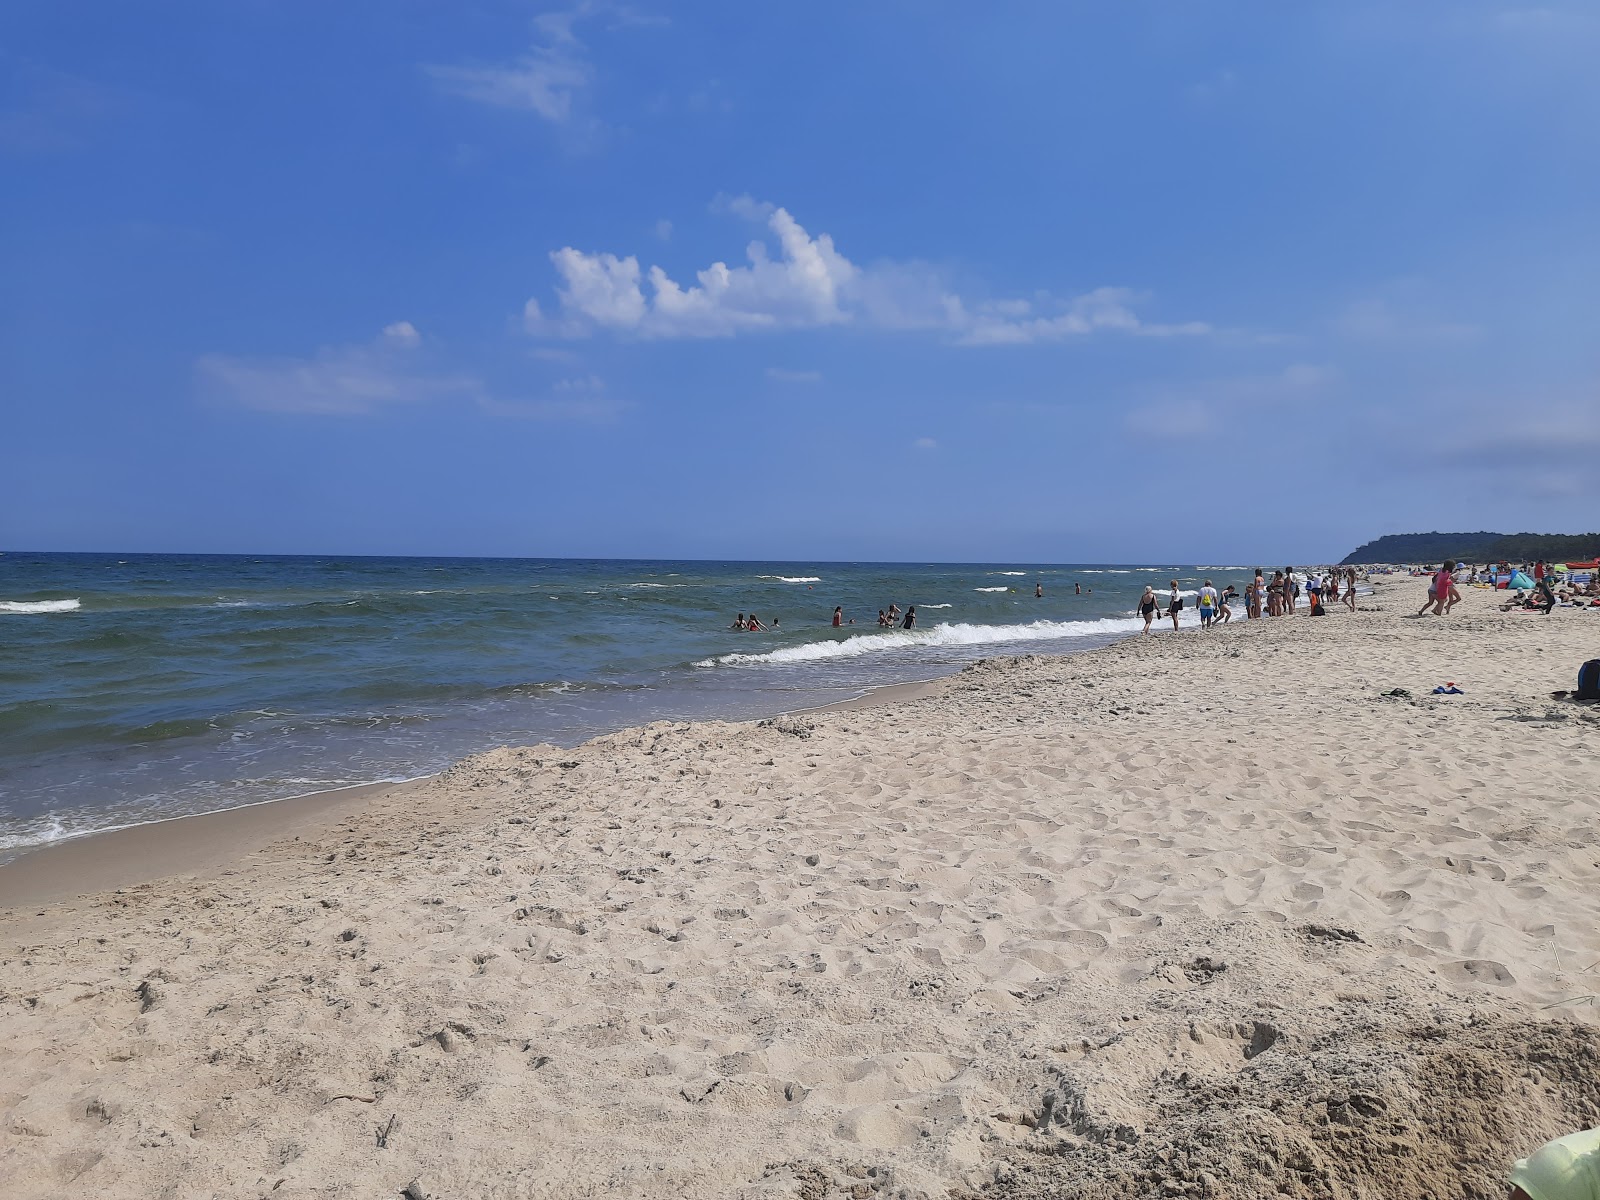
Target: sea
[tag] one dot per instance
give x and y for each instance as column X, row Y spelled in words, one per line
column 141, row 687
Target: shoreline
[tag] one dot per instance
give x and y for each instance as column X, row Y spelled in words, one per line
column 196, row 843
column 1232, row 914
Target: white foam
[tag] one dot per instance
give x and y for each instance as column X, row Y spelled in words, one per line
column 938, row 635
column 38, row 606
column 1011, row 572
column 935, row 606
column 998, row 589
column 793, row 578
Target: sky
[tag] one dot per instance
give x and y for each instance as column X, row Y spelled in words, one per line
column 1048, row 281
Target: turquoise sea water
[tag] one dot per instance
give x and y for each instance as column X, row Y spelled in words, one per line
column 139, row 687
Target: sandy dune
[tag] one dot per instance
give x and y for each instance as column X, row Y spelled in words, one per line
column 1194, row 914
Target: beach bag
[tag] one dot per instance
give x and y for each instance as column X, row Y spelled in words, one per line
column 1589, row 680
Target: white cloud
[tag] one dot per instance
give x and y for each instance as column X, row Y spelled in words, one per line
column 337, row 380
column 924, row 443
column 785, row 375
column 664, row 229
column 391, row 371
column 810, row 284
column 546, row 80
column 402, row 333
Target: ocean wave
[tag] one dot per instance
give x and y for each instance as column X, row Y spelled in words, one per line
column 935, row 606
column 937, row 636
column 998, row 589
column 1010, row 572
column 39, row 606
column 793, row 578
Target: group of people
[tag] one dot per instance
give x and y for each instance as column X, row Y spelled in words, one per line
column 891, row 617
column 752, row 624
column 1278, row 597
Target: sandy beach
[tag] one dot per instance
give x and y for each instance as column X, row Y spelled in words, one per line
column 1200, row 914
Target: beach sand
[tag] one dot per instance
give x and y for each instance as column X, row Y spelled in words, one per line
column 1194, row 914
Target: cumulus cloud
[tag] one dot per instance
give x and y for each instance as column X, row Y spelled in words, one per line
column 810, row 284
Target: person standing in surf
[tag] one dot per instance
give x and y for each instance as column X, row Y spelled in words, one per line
column 1147, row 607
column 911, row 617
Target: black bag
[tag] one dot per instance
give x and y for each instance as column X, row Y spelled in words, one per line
column 1589, row 681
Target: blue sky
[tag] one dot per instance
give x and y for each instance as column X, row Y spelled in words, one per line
column 1035, row 281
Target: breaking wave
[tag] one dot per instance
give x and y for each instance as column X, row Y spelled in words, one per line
column 936, row 637
column 793, row 578
column 38, row 606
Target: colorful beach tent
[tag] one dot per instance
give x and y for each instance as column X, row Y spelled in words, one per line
column 1521, row 581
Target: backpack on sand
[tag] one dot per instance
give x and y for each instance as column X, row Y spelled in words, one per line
column 1589, row 681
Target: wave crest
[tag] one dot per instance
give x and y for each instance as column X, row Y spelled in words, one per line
column 939, row 635
column 39, row 606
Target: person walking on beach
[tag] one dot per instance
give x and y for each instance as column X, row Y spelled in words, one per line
column 1257, row 598
column 1350, row 589
column 1546, row 594
column 1148, row 606
column 1208, row 604
column 1291, row 589
column 911, row 617
column 1174, row 605
column 1224, row 613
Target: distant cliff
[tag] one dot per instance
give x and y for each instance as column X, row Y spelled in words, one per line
column 1480, row 547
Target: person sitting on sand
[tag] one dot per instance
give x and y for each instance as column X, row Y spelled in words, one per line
column 1148, row 606
column 1565, row 1169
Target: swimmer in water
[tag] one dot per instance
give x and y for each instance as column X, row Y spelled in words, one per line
column 1038, row 591
column 738, row 623
column 838, row 615
column 911, row 617
column 754, row 626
